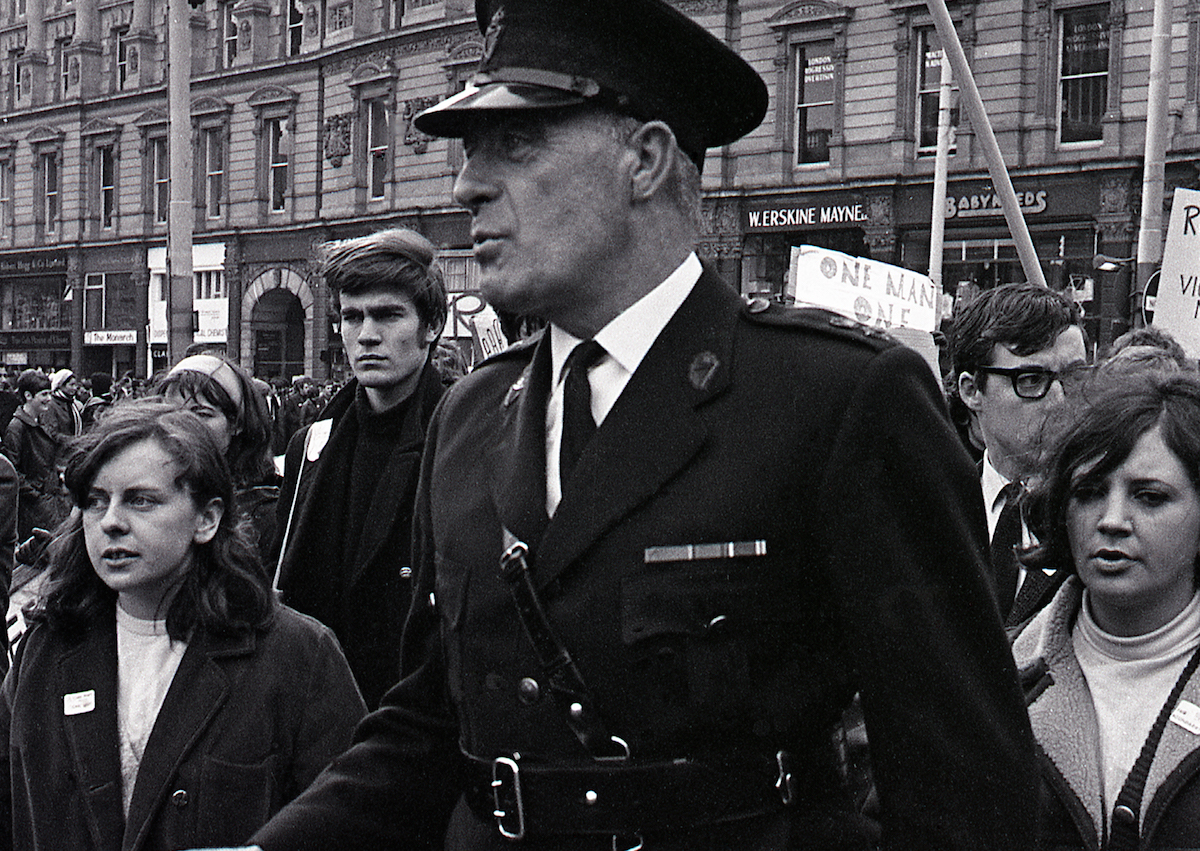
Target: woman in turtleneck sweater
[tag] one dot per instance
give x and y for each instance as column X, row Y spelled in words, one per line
column 1109, row 667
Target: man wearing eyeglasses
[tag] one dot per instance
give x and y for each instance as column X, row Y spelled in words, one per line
column 1017, row 349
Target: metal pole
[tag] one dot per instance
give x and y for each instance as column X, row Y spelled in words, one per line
column 937, row 228
column 181, row 211
column 1150, row 241
column 969, row 94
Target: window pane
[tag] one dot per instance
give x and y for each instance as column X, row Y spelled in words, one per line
column 161, row 180
column 93, row 302
column 1084, row 74
column 814, row 101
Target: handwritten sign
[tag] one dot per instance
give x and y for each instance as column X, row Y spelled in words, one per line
column 1177, row 305
column 876, row 294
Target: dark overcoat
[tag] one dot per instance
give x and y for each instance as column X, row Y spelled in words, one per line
column 247, row 723
column 742, row 424
column 368, row 607
column 33, row 451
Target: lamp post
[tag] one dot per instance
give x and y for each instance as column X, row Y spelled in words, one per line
column 181, row 210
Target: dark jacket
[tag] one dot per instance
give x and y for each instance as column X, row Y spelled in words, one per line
column 34, row 452
column 246, row 725
column 1064, row 724
column 830, row 446
column 369, row 614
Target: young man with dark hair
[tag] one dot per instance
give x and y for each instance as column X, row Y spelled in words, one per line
column 350, row 477
column 33, row 449
column 1016, row 350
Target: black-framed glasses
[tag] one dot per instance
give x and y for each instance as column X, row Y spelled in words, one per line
column 1033, row 382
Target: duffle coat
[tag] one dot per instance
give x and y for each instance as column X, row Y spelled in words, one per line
column 247, row 723
column 1065, row 728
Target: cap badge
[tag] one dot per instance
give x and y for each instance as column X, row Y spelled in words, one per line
column 704, row 367
column 495, row 27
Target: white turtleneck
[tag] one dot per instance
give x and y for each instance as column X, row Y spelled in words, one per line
column 1130, row 678
column 147, row 659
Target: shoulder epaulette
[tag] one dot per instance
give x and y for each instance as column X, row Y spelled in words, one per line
column 766, row 312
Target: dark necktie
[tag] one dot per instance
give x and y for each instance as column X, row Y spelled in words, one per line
column 1004, row 541
column 578, row 424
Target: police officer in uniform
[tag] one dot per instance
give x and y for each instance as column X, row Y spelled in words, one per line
column 661, row 545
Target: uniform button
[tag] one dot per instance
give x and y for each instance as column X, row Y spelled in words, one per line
column 528, row 690
column 179, row 798
column 576, row 710
column 1124, row 815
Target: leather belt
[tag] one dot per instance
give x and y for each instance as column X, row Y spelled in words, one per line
column 621, row 798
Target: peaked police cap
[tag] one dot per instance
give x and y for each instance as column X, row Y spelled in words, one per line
column 641, row 58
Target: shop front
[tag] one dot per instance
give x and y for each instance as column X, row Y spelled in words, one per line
column 1066, row 223
column 35, row 316
column 846, row 221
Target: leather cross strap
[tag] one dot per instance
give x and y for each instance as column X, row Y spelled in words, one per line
column 563, row 677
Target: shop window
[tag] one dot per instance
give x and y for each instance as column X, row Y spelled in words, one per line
column 929, row 82
column 32, row 304
column 1083, row 73
column 208, row 284
column 212, row 158
column 93, row 302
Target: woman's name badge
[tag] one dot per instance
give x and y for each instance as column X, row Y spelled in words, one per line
column 79, row 702
column 1187, row 716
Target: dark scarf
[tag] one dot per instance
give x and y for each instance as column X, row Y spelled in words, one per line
column 358, row 452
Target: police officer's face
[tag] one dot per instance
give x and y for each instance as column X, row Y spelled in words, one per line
column 550, row 204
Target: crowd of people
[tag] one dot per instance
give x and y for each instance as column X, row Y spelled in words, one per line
column 680, row 571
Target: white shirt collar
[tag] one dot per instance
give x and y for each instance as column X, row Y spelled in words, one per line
column 630, row 335
column 993, row 482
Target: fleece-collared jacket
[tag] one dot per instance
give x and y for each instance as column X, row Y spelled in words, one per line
column 1065, row 727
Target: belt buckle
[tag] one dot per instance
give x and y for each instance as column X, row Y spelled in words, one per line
column 508, row 807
